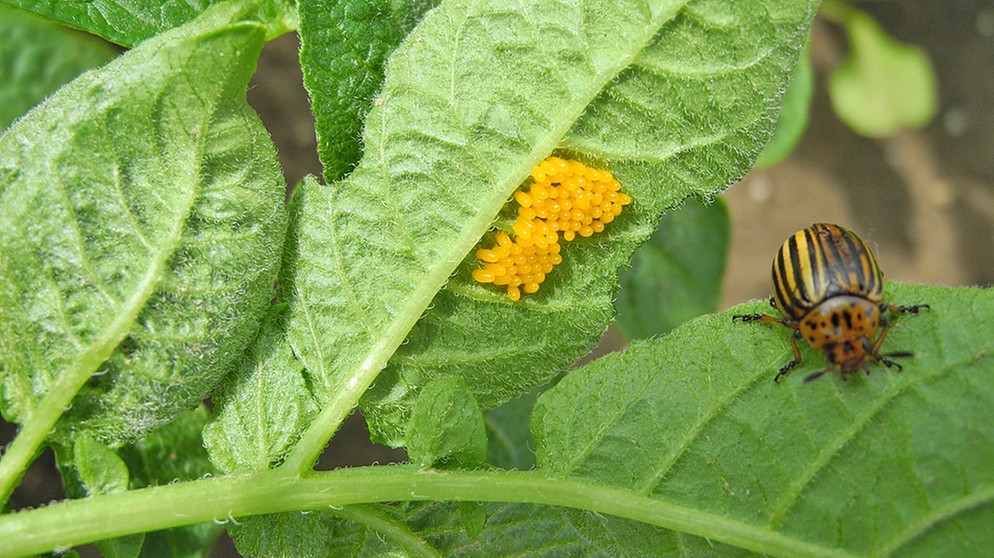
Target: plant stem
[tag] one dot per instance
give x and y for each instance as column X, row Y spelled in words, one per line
column 77, row 522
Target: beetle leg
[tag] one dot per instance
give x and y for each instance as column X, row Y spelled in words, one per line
column 886, row 328
column 889, row 363
column 765, row 318
column 880, row 340
column 783, row 371
column 793, row 363
column 913, row 309
column 754, row 318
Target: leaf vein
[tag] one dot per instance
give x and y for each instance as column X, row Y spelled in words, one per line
column 694, row 431
column 830, row 451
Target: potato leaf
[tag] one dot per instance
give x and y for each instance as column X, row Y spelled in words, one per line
column 139, row 241
column 890, row 463
column 129, row 22
column 675, row 98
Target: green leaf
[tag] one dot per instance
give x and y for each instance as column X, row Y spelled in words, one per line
column 343, row 49
column 530, row 530
column 172, row 452
column 91, row 468
column 894, row 463
column 473, row 516
column 130, row 546
column 139, row 242
column 377, row 530
column 677, row 275
column 263, row 406
column 444, row 529
column 688, row 433
column 129, row 22
column 38, row 58
column 793, row 116
column 501, row 350
column 100, row 469
column 883, row 85
column 509, row 441
column 675, row 100
column 447, row 427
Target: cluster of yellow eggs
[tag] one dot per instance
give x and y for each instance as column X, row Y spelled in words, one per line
column 566, row 199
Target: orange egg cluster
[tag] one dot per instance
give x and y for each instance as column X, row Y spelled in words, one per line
column 566, row 199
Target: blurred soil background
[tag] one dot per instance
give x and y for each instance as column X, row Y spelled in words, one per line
column 924, row 199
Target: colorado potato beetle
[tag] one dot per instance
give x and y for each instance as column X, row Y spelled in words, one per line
column 829, row 289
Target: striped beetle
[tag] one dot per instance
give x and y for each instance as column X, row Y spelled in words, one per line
column 829, row 289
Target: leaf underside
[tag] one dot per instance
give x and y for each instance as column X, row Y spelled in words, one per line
column 130, row 22
column 139, row 242
column 676, row 103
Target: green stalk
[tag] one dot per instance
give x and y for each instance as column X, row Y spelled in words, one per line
column 76, row 522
